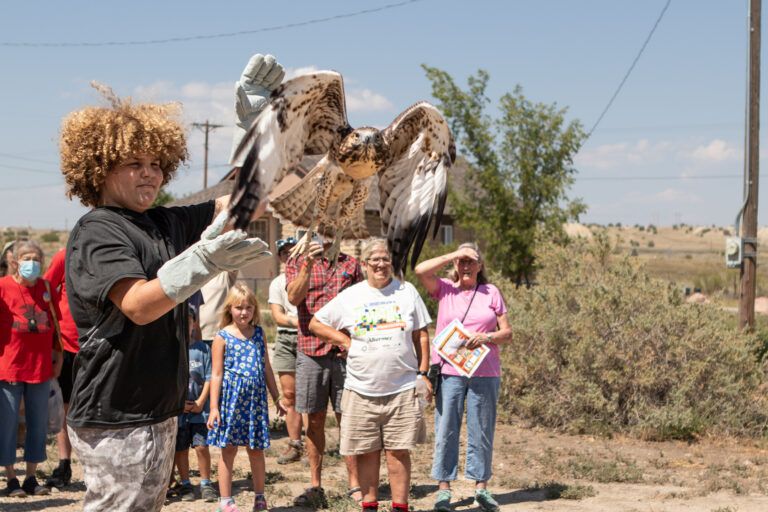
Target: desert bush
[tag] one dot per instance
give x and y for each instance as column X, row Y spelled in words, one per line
column 716, row 281
column 50, row 237
column 651, row 243
column 601, row 347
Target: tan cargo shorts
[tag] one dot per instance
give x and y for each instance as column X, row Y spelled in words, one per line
column 372, row 423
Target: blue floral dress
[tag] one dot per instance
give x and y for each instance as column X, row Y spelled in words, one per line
column 243, row 399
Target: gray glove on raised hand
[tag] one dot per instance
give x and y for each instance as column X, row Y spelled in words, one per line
column 260, row 77
column 202, row 261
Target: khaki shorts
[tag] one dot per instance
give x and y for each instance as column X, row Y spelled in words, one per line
column 372, row 423
column 284, row 357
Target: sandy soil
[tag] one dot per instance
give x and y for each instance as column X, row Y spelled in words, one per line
column 533, row 470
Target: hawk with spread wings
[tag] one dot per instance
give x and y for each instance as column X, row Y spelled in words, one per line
column 408, row 161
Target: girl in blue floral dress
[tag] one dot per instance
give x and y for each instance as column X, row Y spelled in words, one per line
column 241, row 375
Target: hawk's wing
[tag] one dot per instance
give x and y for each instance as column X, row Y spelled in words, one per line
column 413, row 186
column 305, row 116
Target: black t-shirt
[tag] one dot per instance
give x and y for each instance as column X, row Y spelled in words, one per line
column 127, row 374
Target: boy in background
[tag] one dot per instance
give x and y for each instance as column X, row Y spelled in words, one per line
column 192, row 424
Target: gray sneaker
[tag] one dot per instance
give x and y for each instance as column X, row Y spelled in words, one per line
column 208, row 493
column 443, row 501
column 484, row 500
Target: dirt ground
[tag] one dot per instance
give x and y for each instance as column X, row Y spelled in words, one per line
column 533, row 470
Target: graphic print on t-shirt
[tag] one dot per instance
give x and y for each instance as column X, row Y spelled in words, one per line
column 380, row 324
column 35, row 320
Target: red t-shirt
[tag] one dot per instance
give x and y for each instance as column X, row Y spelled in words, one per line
column 25, row 356
column 55, row 276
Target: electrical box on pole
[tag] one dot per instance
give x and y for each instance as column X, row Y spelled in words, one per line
column 734, row 251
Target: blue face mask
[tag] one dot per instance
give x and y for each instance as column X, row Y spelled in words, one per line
column 29, row 270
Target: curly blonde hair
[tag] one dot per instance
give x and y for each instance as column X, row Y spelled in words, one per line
column 96, row 139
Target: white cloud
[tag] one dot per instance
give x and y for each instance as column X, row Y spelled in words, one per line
column 687, row 158
column 623, row 154
column 294, row 72
column 365, row 100
column 717, row 150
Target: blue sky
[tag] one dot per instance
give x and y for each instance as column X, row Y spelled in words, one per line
column 680, row 116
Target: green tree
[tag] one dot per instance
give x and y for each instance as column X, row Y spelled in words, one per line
column 163, row 197
column 520, row 165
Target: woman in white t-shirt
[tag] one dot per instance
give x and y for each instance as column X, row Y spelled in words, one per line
column 381, row 322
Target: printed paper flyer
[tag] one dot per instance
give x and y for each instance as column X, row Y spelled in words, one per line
column 449, row 343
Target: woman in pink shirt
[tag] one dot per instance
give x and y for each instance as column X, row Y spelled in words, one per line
column 468, row 297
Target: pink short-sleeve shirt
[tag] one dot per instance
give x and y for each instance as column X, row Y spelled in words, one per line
column 487, row 305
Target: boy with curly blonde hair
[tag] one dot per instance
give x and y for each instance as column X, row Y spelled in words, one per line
column 130, row 268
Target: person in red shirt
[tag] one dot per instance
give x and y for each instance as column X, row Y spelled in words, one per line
column 28, row 360
column 62, row 474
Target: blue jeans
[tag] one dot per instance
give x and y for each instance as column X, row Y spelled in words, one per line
column 35, row 414
column 480, row 395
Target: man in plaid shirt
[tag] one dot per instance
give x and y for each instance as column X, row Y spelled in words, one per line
column 311, row 282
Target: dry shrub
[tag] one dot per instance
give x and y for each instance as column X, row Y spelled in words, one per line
column 601, row 347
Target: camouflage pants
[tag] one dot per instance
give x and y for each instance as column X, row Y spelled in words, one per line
column 127, row 469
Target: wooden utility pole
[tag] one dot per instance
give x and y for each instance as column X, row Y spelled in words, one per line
column 207, row 128
column 749, row 265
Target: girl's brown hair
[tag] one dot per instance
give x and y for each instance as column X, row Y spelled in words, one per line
column 238, row 293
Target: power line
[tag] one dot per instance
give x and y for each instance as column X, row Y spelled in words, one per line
column 629, row 71
column 213, row 36
column 28, row 159
column 658, row 178
column 30, row 187
column 28, row 169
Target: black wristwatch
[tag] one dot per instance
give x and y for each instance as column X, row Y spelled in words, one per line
column 423, row 374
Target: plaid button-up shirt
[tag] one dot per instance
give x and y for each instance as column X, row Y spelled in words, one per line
column 324, row 285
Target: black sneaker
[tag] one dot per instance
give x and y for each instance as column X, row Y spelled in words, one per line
column 14, row 490
column 60, row 476
column 32, row 488
column 187, row 492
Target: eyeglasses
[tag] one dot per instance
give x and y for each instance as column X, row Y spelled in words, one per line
column 376, row 261
column 466, row 261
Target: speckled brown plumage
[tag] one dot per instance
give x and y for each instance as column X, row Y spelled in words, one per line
column 408, row 161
